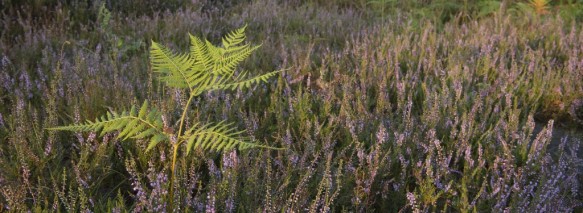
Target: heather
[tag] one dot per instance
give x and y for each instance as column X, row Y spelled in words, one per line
column 414, row 106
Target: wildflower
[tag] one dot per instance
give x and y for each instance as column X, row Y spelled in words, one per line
column 411, row 200
column 381, row 135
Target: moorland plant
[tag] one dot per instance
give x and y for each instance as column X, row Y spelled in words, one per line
column 415, row 106
column 206, row 68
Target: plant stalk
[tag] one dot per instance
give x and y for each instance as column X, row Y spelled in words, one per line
column 170, row 206
column 179, row 134
column 171, row 191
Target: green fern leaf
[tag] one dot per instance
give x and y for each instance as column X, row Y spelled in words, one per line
column 242, row 84
column 234, row 38
column 128, row 124
column 216, row 137
column 199, row 51
column 228, row 62
column 175, row 68
column 205, row 68
column 154, row 141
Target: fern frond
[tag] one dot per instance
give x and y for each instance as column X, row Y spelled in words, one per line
column 540, row 6
column 176, row 69
column 199, row 51
column 240, row 83
column 218, row 137
column 234, row 38
column 205, row 84
column 214, row 52
column 145, row 123
column 227, row 63
column 233, row 53
column 213, row 66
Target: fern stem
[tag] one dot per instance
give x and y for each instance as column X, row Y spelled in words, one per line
column 175, row 153
column 179, row 134
column 170, row 206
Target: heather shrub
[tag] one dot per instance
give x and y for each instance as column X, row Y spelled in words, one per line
column 380, row 107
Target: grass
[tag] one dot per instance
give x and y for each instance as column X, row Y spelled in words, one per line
column 457, row 110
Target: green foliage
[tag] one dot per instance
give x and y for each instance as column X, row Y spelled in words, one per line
column 103, row 17
column 572, row 11
column 133, row 124
column 206, row 68
column 379, row 6
column 487, row 7
column 215, row 137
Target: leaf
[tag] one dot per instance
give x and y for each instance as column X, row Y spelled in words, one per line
column 199, row 52
column 155, row 140
column 128, row 125
column 226, row 64
column 234, row 38
column 218, row 137
column 175, row 68
column 213, row 137
column 143, row 110
column 240, row 84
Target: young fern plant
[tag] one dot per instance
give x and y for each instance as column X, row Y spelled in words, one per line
column 205, row 68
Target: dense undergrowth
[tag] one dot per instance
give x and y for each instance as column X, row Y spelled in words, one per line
column 399, row 107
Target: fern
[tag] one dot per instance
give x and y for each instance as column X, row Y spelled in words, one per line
column 540, row 6
column 103, row 17
column 241, row 82
column 176, row 69
column 203, row 137
column 135, row 124
column 205, row 68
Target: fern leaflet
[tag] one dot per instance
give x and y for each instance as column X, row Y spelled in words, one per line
column 135, row 124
